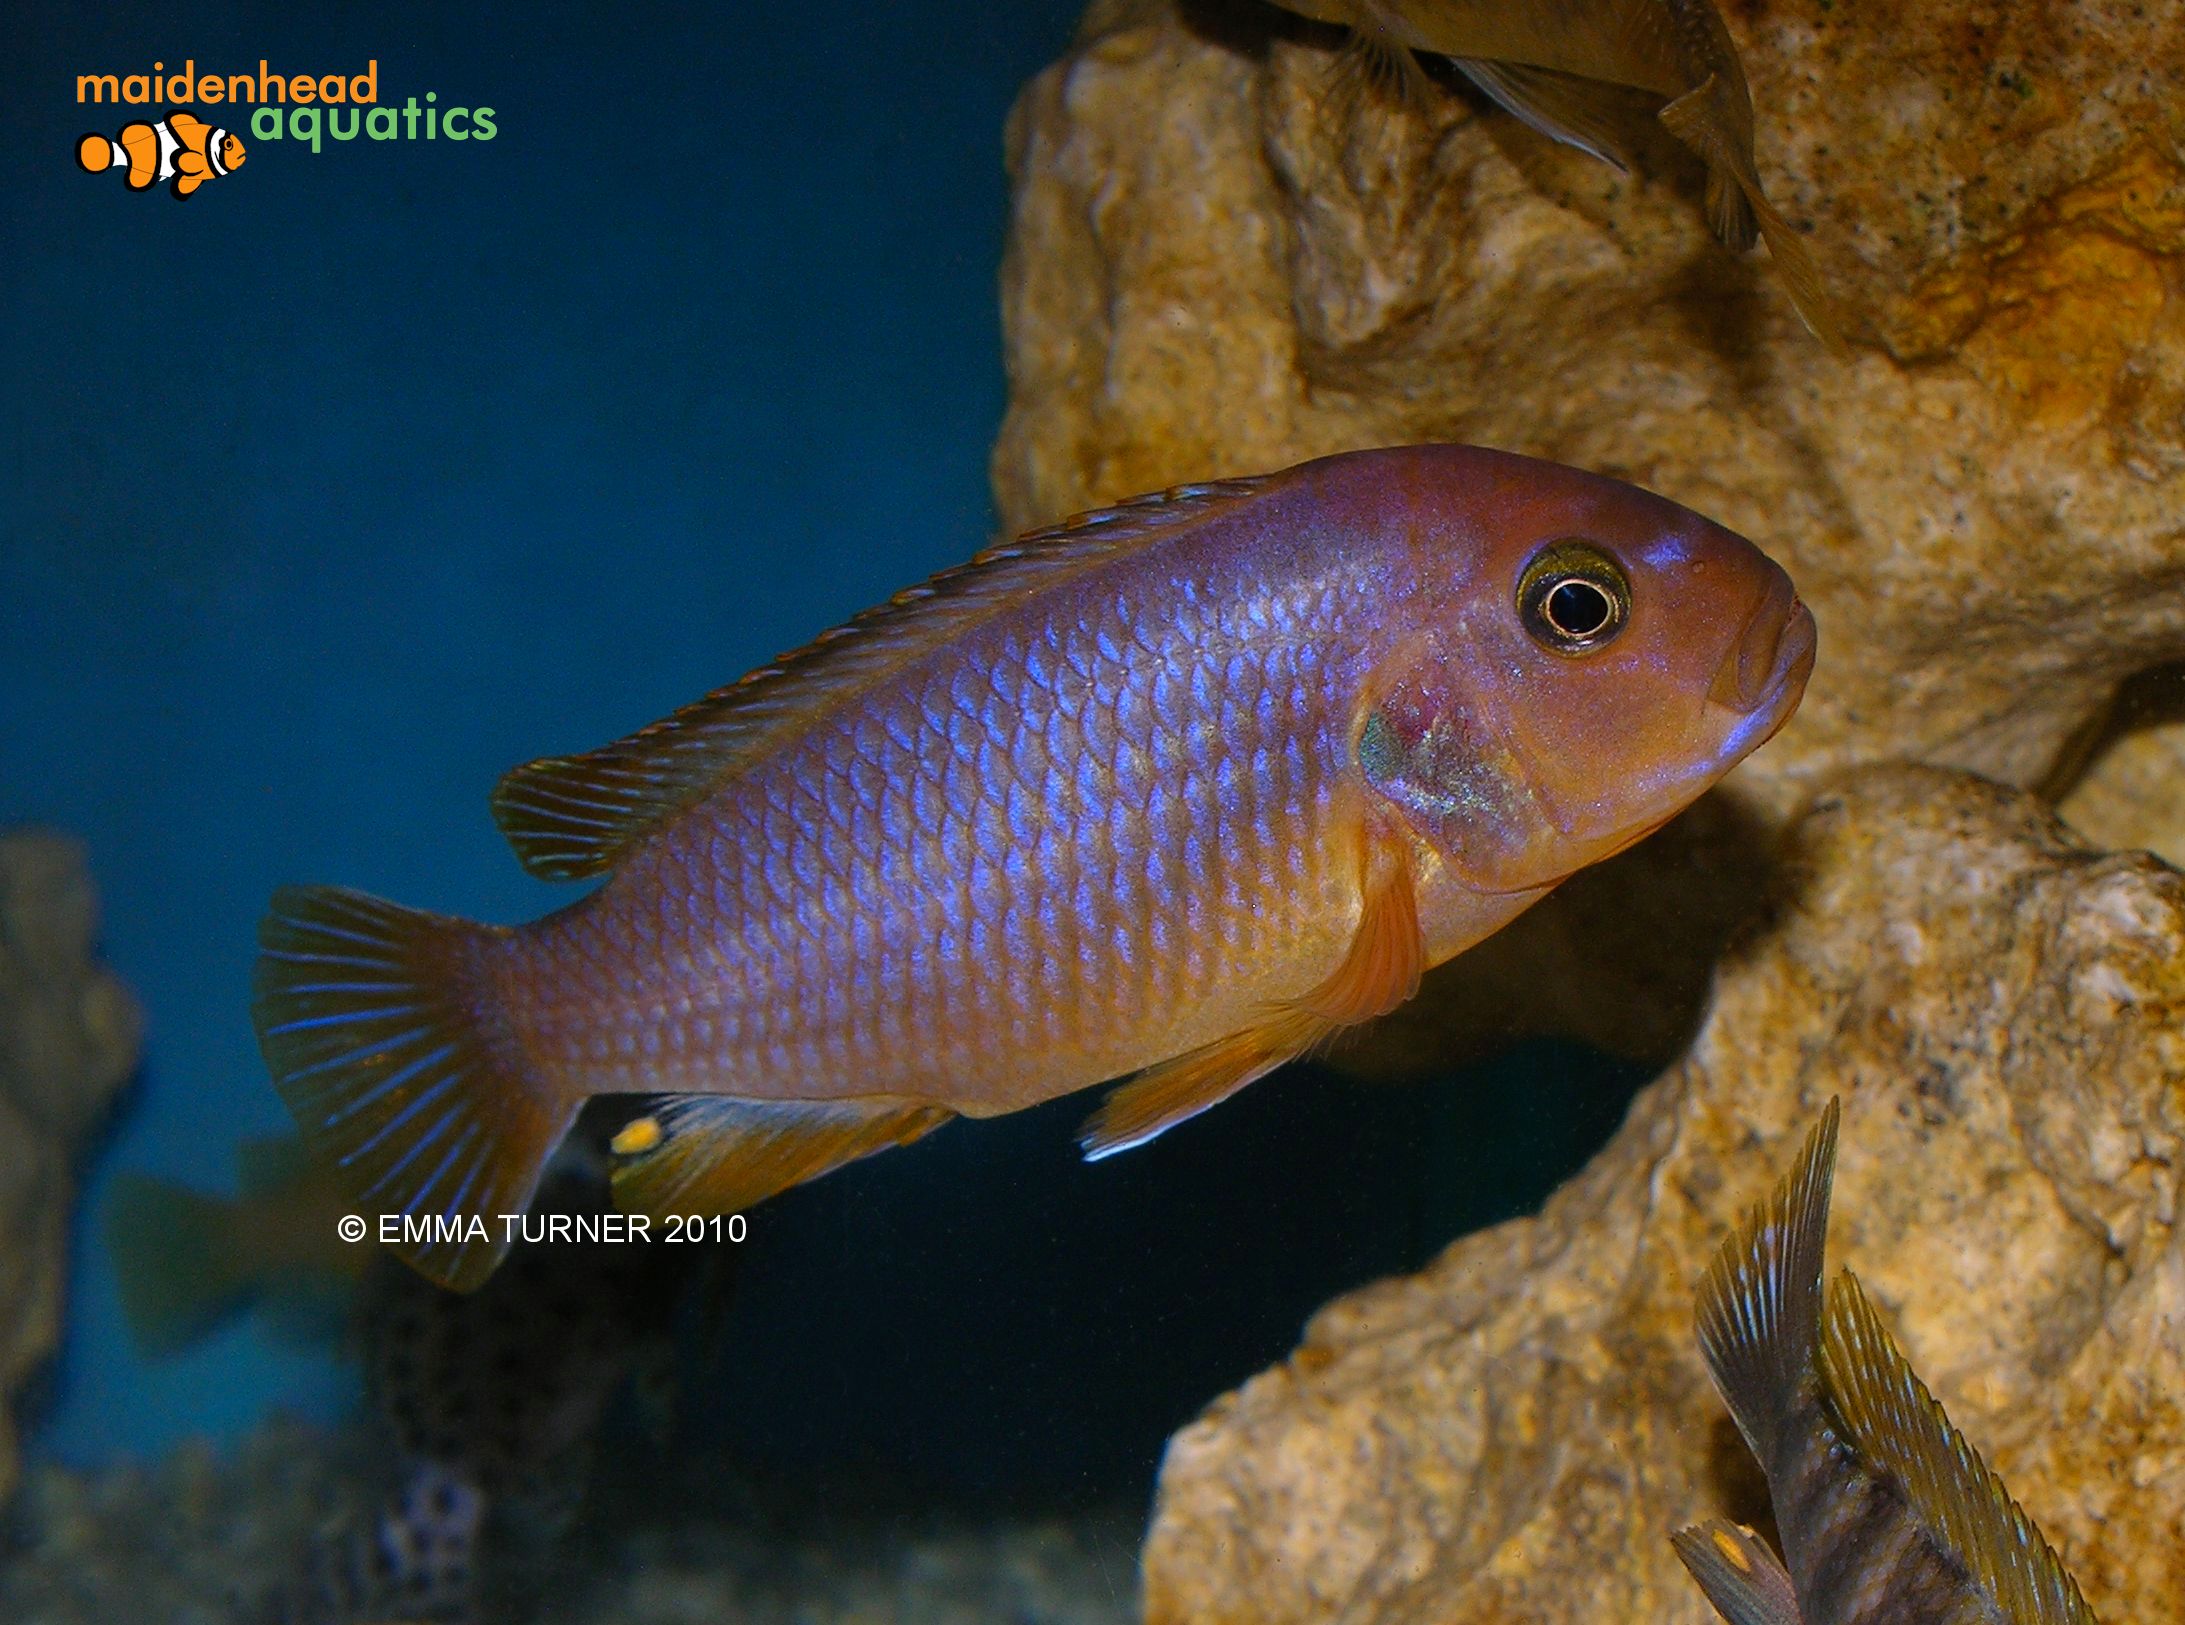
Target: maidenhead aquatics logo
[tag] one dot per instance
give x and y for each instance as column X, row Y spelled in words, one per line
column 186, row 149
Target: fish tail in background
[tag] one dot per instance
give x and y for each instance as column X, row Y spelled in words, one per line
column 1743, row 1579
column 177, row 1261
column 1760, row 1307
column 1736, row 207
column 380, row 1036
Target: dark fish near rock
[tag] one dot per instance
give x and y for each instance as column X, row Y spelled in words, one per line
column 1887, row 1515
column 489, row 1406
column 1567, row 68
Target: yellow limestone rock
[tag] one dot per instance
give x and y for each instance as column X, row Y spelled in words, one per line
column 68, row 1039
column 1212, row 272
column 1512, row 1433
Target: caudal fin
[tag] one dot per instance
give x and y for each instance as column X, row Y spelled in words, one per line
column 177, row 1261
column 1760, row 1306
column 375, row 1023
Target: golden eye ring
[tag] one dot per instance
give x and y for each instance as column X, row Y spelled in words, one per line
column 1574, row 597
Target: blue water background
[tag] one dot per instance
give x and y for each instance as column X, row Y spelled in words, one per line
column 362, row 475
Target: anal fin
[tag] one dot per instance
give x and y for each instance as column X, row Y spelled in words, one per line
column 708, row 1154
column 1381, row 970
column 1742, row 1578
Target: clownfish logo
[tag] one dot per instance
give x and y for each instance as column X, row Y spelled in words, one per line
column 180, row 148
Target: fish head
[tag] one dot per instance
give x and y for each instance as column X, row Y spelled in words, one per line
column 1584, row 659
column 231, row 152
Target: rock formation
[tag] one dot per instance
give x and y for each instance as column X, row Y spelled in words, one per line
column 68, row 1039
column 1212, row 270
column 1511, row 1434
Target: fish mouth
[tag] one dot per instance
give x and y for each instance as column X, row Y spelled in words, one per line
column 1764, row 675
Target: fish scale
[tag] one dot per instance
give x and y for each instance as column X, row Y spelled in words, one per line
column 1099, row 804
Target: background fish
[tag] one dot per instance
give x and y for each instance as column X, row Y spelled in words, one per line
column 1565, row 66
column 1186, row 786
column 186, row 1260
column 488, row 1408
column 1886, row 1513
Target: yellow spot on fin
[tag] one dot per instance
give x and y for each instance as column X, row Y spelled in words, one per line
column 708, row 1154
column 569, row 817
column 1896, row 1426
column 1741, row 1577
column 1380, row 971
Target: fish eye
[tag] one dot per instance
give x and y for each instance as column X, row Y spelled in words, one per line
column 1573, row 597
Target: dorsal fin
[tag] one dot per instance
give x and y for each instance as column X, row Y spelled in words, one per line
column 1760, row 1306
column 1896, row 1426
column 573, row 816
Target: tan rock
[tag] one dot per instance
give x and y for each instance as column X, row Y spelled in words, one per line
column 1210, row 274
column 2135, row 797
column 1511, row 1434
column 68, row 1039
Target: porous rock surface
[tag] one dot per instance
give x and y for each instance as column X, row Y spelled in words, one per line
column 1212, row 271
column 68, row 1039
column 1512, row 1433
column 1220, row 265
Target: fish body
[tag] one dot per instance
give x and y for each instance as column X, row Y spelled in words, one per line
column 1553, row 63
column 181, row 149
column 1887, row 1515
column 1185, row 786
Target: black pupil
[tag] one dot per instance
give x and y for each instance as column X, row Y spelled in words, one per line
column 1578, row 609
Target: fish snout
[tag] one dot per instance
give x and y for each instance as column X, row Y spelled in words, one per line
column 1772, row 657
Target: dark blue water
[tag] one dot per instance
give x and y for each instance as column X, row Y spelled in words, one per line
column 361, row 475
column 337, row 489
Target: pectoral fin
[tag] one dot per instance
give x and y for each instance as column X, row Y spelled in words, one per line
column 1741, row 1577
column 1380, row 971
column 1736, row 205
column 1589, row 114
column 708, row 1154
column 1377, row 54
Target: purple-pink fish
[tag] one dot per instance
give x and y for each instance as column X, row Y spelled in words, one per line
column 1175, row 790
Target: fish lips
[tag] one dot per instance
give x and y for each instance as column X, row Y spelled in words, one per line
column 1764, row 675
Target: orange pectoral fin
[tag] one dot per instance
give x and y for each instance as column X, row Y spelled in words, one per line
column 141, row 142
column 1380, row 971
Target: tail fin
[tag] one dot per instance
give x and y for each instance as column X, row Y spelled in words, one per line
column 1760, row 1307
column 378, row 1035
column 96, row 153
column 177, row 1261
